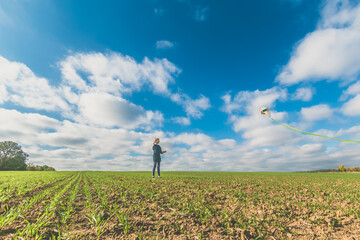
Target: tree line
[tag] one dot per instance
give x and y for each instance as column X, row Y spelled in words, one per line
column 342, row 168
column 13, row 158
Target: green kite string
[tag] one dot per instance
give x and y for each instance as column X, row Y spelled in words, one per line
column 313, row 134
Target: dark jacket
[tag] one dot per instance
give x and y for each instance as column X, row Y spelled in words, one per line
column 157, row 152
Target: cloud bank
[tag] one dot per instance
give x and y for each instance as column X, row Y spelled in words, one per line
column 331, row 52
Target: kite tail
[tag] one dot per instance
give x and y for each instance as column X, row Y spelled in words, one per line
column 313, row 134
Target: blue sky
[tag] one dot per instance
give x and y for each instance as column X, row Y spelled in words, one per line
column 86, row 85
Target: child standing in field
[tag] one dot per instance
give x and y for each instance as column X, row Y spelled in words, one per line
column 156, row 156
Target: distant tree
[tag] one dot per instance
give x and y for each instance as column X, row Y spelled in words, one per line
column 30, row 167
column 33, row 167
column 12, row 157
column 341, row 168
column 46, row 168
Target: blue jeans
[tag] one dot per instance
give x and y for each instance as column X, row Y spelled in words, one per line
column 158, row 168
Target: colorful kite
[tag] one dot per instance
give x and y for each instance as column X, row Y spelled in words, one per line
column 266, row 111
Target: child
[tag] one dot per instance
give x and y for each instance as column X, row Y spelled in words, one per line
column 156, row 156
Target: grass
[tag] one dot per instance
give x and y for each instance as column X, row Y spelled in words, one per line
column 194, row 205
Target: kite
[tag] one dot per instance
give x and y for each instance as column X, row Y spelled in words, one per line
column 266, row 111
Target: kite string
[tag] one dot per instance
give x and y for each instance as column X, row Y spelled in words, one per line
column 301, row 131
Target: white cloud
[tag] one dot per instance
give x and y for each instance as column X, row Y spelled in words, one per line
column 353, row 89
column 192, row 139
column 115, row 73
column 303, row 94
column 318, row 112
column 353, row 132
column 21, row 86
column 159, row 73
column 339, row 13
column 25, row 127
column 257, row 129
column 3, row 94
column 182, row 120
column 332, row 51
column 164, row 44
column 229, row 105
column 260, row 131
column 351, row 107
column 250, row 102
column 110, row 111
column 193, row 107
column 201, row 14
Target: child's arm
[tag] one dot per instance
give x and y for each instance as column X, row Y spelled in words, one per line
column 161, row 151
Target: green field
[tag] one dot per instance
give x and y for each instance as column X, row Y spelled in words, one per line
column 180, row 205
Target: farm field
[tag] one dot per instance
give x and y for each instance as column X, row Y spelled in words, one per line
column 180, row 205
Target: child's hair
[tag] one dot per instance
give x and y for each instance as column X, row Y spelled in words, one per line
column 156, row 140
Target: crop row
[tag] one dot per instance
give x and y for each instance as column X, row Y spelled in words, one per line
column 15, row 184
